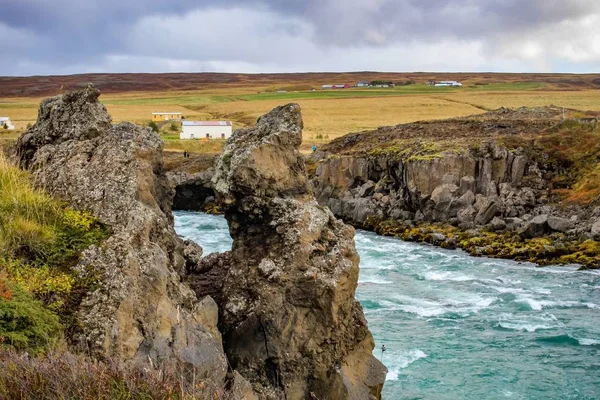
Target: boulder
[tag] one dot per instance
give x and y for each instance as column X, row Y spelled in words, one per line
column 437, row 238
column 497, row 224
column 466, row 215
column 290, row 321
column 468, row 198
column 192, row 252
column 513, row 223
column 363, row 208
column 443, row 195
column 138, row 309
column 366, row 189
column 457, row 204
column 487, row 211
column 518, row 169
column 560, row 224
column 491, row 190
column 596, row 229
column 467, row 183
column 402, row 215
column 419, row 216
column 536, row 227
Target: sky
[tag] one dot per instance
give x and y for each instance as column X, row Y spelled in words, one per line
column 49, row 37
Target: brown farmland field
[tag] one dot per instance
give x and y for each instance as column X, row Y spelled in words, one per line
column 327, row 114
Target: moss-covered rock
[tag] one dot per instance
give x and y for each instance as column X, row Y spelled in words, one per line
column 542, row 251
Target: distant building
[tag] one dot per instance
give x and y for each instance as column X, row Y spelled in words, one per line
column 384, row 85
column 339, row 86
column 448, row 83
column 363, row 84
column 206, row 130
column 166, row 116
column 5, row 121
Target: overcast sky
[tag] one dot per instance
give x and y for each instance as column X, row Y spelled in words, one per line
column 44, row 37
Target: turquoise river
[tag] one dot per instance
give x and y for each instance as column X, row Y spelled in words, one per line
column 458, row 327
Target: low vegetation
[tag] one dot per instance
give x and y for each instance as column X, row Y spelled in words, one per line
column 573, row 148
column 576, row 145
column 74, row 377
column 40, row 242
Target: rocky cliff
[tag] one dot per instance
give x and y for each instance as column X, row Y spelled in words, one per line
column 289, row 319
column 499, row 172
column 137, row 308
column 279, row 309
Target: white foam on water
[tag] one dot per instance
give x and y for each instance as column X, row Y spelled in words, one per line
column 534, row 304
column 588, row 342
column 462, row 304
column 501, row 289
column 376, row 264
column 524, row 327
column 447, row 276
column 424, row 312
column 528, row 324
column 403, row 362
column 538, row 305
column 557, row 270
column 375, row 280
column 543, row 291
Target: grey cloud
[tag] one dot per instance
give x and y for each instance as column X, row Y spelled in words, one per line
column 73, row 32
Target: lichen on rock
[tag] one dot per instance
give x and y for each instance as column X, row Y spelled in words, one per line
column 138, row 309
column 290, row 322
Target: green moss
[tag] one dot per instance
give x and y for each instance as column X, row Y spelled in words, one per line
column 542, row 251
column 212, row 208
column 414, row 150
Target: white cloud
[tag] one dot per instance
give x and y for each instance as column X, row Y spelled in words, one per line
column 324, row 35
column 572, row 41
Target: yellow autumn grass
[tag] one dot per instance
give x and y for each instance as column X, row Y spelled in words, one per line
column 324, row 118
column 27, row 216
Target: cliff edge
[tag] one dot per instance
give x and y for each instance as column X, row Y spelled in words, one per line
column 289, row 319
column 137, row 308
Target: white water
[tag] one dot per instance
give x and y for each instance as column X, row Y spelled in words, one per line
column 458, row 327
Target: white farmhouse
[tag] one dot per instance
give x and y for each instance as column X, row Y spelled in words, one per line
column 5, row 121
column 448, row 83
column 206, row 130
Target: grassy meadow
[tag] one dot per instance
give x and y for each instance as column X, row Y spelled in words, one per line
column 327, row 113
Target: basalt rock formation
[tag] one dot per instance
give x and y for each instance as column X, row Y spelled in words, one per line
column 137, row 309
column 192, row 182
column 289, row 319
column 496, row 172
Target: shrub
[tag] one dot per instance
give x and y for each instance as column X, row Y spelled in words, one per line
column 174, row 127
column 51, row 286
column 24, row 322
column 152, row 125
column 40, row 241
column 68, row 376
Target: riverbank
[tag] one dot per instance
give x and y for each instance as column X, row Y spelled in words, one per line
column 456, row 326
column 519, row 184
